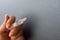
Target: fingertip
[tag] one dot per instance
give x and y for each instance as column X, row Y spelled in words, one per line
column 6, row 17
column 13, row 17
column 10, row 21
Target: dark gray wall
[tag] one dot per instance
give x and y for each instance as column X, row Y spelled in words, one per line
column 43, row 14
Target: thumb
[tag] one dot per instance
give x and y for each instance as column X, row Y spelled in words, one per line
column 3, row 26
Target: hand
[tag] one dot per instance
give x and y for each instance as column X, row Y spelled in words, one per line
column 15, row 33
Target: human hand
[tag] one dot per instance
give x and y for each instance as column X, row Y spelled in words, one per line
column 14, row 33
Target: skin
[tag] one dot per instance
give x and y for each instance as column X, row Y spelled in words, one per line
column 15, row 33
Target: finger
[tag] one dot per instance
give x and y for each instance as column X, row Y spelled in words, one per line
column 15, row 30
column 10, row 21
column 3, row 26
column 19, row 36
column 6, row 18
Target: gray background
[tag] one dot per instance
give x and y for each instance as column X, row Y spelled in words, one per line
column 43, row 14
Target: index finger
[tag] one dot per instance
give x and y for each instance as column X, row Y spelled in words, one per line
column 10, row 21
